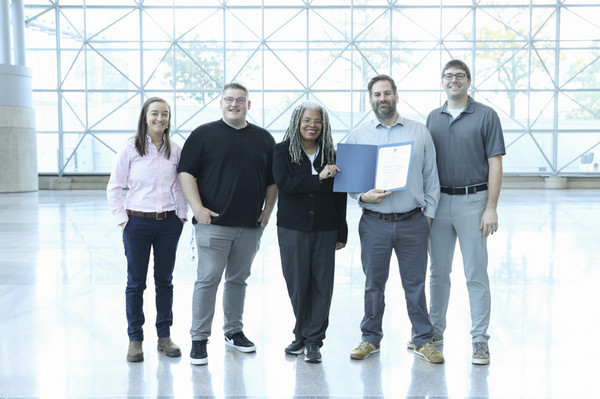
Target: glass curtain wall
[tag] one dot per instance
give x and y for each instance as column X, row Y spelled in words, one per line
column 94, row 63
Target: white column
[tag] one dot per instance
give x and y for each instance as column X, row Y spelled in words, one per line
column 18, row 23
column 5, row 32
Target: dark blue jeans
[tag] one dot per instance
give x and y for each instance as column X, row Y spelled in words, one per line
column 141, row 235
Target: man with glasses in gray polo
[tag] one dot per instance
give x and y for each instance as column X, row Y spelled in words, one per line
column 225, row 172
column 469, row 146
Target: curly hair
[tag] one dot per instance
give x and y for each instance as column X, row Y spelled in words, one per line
column 325, row 139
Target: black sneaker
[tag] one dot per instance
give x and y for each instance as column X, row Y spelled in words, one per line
column 198, row 354
column 239, row 341
column 295, row 348
column 313, row 354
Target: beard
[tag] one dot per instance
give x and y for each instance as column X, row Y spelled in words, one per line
column 383, row 113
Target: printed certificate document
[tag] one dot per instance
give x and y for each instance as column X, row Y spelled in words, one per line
column 364, row 167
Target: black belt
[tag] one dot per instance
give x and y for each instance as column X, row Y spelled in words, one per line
column 464, row 190
column 392, row 217
column 151, row 215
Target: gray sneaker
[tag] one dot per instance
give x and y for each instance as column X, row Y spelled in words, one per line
column 481, row 353
column 437, row 341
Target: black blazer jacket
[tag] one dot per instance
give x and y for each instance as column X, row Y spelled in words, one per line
column 305, row 203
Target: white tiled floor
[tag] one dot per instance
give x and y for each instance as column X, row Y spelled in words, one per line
column 63, row 329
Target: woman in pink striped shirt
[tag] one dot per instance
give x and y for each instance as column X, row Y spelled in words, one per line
column 152, row 217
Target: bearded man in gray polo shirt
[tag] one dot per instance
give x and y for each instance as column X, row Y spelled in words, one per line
column 469, row 146
column 396, row 221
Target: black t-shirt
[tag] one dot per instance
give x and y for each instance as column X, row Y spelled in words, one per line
column 233, row 169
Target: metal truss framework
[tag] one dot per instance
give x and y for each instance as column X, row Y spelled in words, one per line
column 98, row 61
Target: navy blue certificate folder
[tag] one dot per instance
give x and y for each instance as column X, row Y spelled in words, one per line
column 359, row 165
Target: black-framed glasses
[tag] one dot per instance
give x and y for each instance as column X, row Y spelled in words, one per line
column 459, row 76
column 239, row 100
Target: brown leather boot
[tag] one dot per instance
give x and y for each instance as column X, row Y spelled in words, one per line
column 135, row 352
column 168, row 347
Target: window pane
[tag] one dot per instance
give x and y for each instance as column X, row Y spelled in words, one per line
column 46, row 115
column 47, row 150
column 542, row 79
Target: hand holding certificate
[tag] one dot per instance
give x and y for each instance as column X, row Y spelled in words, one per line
column 365, row 167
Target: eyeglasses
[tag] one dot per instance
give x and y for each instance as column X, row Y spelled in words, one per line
column 307, row 121
column 239, row 100
column 459, row 76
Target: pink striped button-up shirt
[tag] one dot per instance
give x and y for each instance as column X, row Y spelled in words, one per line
column 151, row 179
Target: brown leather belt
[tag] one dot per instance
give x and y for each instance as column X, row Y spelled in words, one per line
column 151, row 215
column 392, row 217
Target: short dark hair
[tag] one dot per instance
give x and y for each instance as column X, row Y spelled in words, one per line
column 235, row 86
column 458, row 64
column 379, row 78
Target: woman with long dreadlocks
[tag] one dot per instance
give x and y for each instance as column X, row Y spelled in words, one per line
column 311, row 223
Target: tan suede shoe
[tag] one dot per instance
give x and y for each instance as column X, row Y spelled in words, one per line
column 135, row 352
column 168, row 347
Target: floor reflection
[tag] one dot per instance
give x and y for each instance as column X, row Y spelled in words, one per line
column 63, row 330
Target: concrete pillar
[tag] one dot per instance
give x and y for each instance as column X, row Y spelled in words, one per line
column 554, row 183
column 18, row 162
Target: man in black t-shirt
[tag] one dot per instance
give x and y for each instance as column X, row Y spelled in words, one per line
column 225, row 171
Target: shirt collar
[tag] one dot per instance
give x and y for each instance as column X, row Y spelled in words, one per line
column 149, row 140
column 468, row 108
column 376, row 123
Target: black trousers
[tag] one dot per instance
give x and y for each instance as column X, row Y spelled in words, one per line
column 308, row 263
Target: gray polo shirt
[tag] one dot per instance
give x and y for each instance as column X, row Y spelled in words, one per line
column 423, row 188
column 464, row 145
